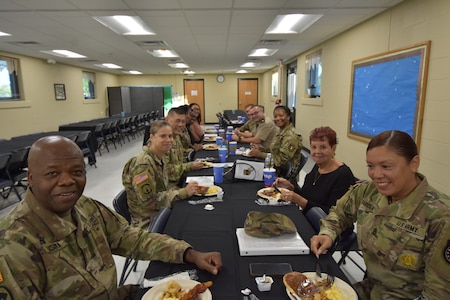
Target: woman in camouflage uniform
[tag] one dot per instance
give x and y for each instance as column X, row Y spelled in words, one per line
column 403, row 224
column 286, row 145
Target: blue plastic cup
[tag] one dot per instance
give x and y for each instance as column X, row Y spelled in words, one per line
column 229, row 136
column 222, row 154
column 269, row 176
column 218, row 173
column 219, row 141
column 233, row 147
column 217, row 127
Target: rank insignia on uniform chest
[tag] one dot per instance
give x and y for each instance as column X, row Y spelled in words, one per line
column 447, row 252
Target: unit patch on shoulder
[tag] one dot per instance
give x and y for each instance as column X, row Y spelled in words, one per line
column 291, row 148
column 5, row 294
column 447, row 252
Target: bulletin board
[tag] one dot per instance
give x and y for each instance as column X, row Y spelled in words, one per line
column 388, row 92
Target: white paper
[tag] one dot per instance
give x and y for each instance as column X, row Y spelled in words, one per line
column 151, row 283
column 201, row 180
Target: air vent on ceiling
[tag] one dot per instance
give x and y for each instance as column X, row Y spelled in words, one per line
column 89, row 60
column 271, row 42
column 152, row 43
column 25, row 43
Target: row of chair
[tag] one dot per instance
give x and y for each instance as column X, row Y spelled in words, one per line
column 13, row 172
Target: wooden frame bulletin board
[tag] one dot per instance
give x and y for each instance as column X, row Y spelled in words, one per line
column 388, row 92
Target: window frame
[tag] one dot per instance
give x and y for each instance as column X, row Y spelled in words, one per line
column 88, row 93
column 15, row 62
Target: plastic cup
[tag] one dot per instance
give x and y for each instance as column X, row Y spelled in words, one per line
column 229, row 135
column 222, row 133
column 218, row 173
column 122, row 114
column 264, row 283
column 233, row 147
column 222, row 154
column 243, row 119
column 217, row 127
column 230, row 128
column 219, row 141
column 269, row 176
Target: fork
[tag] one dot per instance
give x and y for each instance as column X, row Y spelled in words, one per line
column 330, row 276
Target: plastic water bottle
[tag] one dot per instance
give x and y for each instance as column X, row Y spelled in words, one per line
column 268, row 162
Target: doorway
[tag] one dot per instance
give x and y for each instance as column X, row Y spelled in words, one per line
column 247, row 92
column 194, row 93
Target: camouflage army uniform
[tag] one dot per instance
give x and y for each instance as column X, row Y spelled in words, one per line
column 185, row 139
column 250, row 125
column 406, row 244
column 146, row 182
column 286, row 146
column 175, row 161
column 45, row 256
column 266, row 131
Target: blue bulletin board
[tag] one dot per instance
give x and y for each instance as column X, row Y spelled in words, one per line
column 388, row 92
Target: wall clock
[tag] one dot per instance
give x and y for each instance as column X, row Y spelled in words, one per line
column 220, row 78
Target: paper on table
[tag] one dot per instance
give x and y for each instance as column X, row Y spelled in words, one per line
column 201, row 180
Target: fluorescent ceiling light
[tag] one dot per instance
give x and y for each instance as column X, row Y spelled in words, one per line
column 179, row 66
column 125, row 25
column 4, row 33
column 242, row 71
column 263, row 52
column 250, row 64
column 64, row 53
column 162, row 53
column 293, row 23
column 132, row 72
column 109, row 66
column 189, row 72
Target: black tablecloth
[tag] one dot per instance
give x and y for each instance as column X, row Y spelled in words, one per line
column 216, row 231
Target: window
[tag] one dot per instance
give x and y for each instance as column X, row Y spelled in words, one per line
column 88, row 85
column 9, row 78
column 313, row 76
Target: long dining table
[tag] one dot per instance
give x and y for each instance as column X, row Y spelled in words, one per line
column 215, row 230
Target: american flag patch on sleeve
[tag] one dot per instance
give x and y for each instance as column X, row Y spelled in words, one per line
column 140, row 178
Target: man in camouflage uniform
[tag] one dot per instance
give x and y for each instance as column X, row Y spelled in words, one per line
column 405, row 240
column 146, row 180
column 175, row 159
column 58, row 244
column 265, row 128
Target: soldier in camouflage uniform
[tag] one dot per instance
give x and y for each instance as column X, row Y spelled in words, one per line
column 286, row 145
column 146, row 180
column 58, row 244
column 403, row 225
column 175, row 159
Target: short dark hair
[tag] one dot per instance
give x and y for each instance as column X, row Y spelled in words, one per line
column 322, row 133
column 398, row 141
column 180, row 110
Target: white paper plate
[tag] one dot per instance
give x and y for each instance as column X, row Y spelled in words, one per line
column 348, row 292
column 157, row 291
column 210, row 147
column 219, row 189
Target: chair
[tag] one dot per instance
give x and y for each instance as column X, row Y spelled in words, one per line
column 314, row 215
column 16, row 169
column 98, row 133
column 292, row 177
column 191, row 155
column 157, row 225
column 6, row 184
column 123, row 128
column 83, row 142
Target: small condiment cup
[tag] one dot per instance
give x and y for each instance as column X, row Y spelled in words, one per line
column 264, row 283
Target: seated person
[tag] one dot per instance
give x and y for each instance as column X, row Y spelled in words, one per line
column 286, row 146
column 59, row 244
column 195, row 129
column 146, row 181
column 186, row 138
column 328, row 180
column 265, row 129
column 403, row 224
column 175, row 159
column 249, row 127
